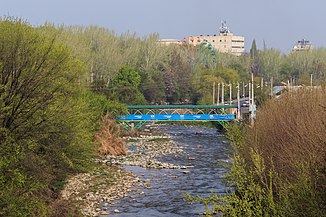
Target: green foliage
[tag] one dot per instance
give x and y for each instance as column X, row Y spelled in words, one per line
column 124, row 87
column 205, row 81
column 152, row 87
column 46, row 129
column 253, row 49
column 126, row 77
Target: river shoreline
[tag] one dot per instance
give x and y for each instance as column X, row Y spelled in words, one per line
column 93, row 192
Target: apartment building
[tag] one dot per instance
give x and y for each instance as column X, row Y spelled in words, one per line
column 224, row 42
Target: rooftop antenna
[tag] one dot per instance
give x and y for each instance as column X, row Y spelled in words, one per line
column 224, row 28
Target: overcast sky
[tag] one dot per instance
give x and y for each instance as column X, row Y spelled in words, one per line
column 280, row 23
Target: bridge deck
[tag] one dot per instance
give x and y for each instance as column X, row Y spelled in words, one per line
column 155, row 113
column 180, row 106
column 177, row 117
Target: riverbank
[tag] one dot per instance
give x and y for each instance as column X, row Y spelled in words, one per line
column 198, row 171
column 89, row 192
column 92, row 192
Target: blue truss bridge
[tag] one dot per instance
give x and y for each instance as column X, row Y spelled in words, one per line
column 138, row 115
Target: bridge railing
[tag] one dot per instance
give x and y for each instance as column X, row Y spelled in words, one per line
column 157, row 113
column 180, row 109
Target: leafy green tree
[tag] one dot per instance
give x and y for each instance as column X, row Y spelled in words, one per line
column 127, row 76
column 270, row 61
column 45, row 129
column 124, row 86
column 152, row 87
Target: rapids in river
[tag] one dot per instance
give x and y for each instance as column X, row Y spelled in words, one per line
column 204, row 150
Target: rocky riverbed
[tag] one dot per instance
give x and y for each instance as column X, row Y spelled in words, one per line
column 93, row 192
column 143, row 151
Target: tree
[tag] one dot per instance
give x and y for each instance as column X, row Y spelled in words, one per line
column 253, row 49
column 45, row 131
column 124, row 86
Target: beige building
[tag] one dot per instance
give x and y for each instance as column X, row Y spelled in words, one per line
column 225, row 42
column 169, row 41
column 302, row 45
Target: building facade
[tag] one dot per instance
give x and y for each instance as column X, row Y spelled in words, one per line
column 302, row 45
column 169, row 41
column 225, row 42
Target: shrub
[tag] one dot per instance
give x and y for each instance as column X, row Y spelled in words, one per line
column 45, row 125
column 278, row 166
column 108, row 138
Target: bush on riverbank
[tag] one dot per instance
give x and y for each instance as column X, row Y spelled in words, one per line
column 278, row 166
column 108, row 138
column 289, row 140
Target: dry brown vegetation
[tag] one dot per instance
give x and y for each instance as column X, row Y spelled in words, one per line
column 108, row 138
column 291, row 131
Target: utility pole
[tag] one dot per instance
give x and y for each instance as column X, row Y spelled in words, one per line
column 271, row 87
column 218, row 93
column 239, row 106
column 214, row 93
column 249, row 95
column 311, row 80
column 230, row 93
column 223, row 96
column 253, row 100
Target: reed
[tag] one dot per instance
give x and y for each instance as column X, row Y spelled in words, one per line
column 108, row 138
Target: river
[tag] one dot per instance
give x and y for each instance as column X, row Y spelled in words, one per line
column 203, row 149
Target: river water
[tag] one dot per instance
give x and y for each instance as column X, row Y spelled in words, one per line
column 203, row 149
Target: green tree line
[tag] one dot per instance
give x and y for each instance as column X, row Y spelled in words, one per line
column 180, row 73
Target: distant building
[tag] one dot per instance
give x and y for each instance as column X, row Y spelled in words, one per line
column 170, row 41
column 302, row 45
column 225, row 42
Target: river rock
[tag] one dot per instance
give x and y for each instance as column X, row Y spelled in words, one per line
column 104, row 213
